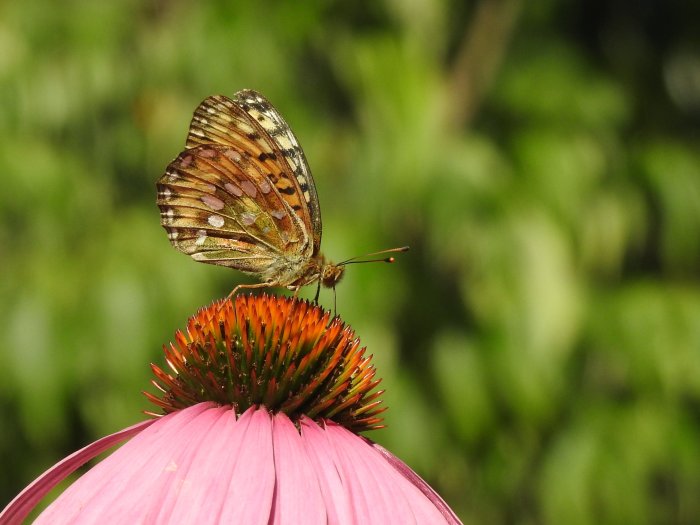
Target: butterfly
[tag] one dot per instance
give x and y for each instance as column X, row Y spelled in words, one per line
column 241, row 195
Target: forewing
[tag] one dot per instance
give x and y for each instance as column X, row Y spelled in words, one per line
column 218, row 207
column 249, row 123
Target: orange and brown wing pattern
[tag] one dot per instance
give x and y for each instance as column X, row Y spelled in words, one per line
column 218, row 206
column 250, row 124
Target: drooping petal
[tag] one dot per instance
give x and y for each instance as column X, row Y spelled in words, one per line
column 205, row 465
column 216, row 487
column 190, row 466
column 408, row 473
column 116, row 488
column 331, row 480
column 298, row 497
column 227, row 472
column 18, row 509
column 252, row 482
column 196, row 493
column 377, row 492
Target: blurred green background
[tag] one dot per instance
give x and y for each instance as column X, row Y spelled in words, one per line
column 540, row 344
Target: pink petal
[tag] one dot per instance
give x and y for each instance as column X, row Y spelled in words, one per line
column 18, row 509
column 298, row 497
column 378, row 492
column 197, row 465
column 332, row 480
column 118, row 489
column 414, row 478
column 252, row 483
column 204, row 465
column 226, row 476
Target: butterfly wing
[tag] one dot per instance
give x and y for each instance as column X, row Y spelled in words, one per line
column 218, row 206
column 250, row 124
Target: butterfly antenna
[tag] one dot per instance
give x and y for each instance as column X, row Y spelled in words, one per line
column 361, row 258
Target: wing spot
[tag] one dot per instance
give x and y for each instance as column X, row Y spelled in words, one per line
column 211, row 110
column 208, row 153
column 248, row 218
column 186, row 161
column 278, row 214
column 233, row 189
column 201, row 237
column 167, row 216
column 249, row 189
column 217, row 221
column 232, row 155
column 214, row 203
column 289, row 190
column 173, row 235
column 166, row 193
column 265, row 186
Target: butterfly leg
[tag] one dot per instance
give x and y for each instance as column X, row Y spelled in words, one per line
column 318, row 291
column 249, row 286
column 235, row 290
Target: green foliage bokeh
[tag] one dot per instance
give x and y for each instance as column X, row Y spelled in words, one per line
column 540, row 344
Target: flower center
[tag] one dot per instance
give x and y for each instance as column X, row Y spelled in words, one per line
column 285, row 354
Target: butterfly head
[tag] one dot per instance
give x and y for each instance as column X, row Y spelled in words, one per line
column 331, row 274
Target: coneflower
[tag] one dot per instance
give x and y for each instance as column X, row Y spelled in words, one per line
column 259, row 419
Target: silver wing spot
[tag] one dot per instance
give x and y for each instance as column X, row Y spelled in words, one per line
column 217, row 221
column 212, row 202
